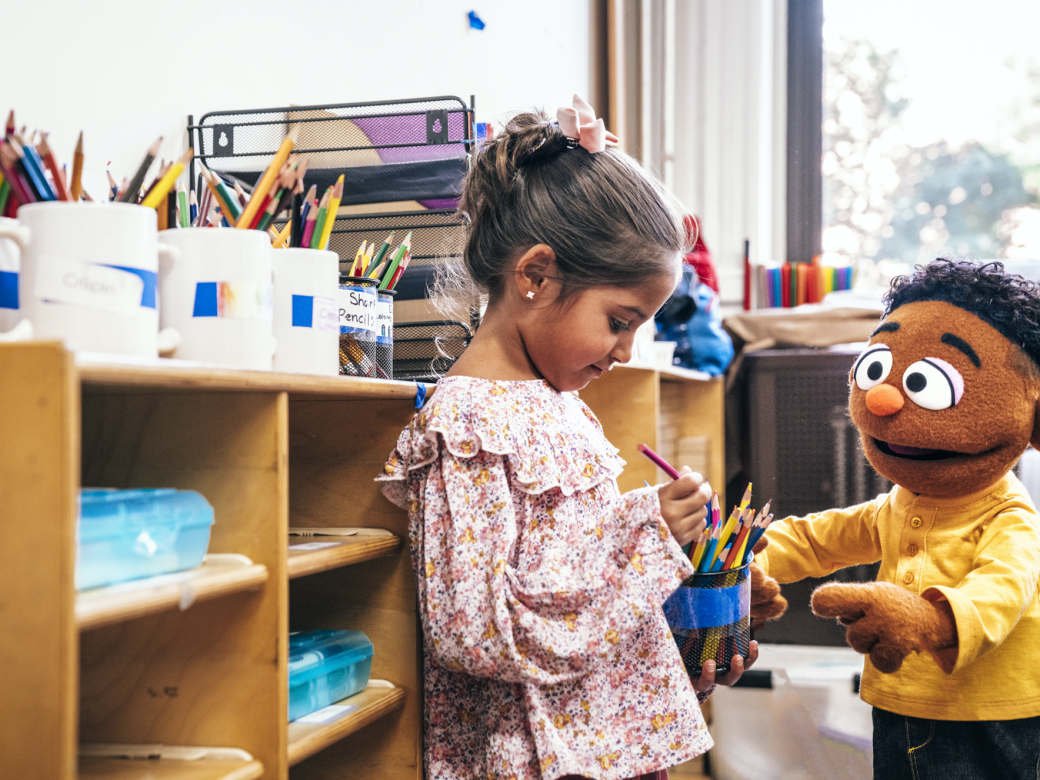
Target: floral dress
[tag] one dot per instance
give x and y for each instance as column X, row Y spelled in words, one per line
column 546, row 652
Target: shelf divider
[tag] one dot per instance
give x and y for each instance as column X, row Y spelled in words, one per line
column 374, row 702
column 219, row 575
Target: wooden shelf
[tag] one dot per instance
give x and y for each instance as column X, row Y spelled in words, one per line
column 219, row 575
column 110, row 371
column 367, row 544
column 92, row 768
column 372, row 703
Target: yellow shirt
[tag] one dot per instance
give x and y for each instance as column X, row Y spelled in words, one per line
column 980, row 551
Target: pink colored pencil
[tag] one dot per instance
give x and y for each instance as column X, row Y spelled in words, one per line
column 661, row 462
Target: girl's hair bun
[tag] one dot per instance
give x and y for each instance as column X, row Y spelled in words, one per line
column 607, row 221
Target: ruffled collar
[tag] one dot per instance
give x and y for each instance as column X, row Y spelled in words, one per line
column 550, row 439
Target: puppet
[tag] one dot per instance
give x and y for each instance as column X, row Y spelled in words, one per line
column 945, row 398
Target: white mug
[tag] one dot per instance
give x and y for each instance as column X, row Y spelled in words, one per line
column 218, row 296
column 306, row 311
column 88, row 276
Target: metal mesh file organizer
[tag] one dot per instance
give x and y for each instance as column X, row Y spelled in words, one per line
column 411, row 152
column 423, row 351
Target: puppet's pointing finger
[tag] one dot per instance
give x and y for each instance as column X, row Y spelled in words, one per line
column 841, row 600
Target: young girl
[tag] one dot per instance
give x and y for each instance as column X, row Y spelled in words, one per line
column 546, row 653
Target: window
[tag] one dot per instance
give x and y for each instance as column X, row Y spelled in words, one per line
column 931, row 132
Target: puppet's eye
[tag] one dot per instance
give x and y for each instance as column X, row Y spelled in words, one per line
column 933, row 384
column 872, row 367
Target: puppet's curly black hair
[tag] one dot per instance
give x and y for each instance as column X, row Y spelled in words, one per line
column 1008, row 302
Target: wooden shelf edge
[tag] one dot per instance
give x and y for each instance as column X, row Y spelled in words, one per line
column 126, row 601
column 346, row 553
column 97, row 371
column 92, row 768
column 372, row 703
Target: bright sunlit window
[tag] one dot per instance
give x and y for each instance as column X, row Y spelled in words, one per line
column 931, row 137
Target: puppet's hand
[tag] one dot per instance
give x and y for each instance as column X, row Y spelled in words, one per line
column 889, row 623
column 766, row 601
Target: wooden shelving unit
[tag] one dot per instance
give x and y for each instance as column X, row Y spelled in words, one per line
column 199, row 659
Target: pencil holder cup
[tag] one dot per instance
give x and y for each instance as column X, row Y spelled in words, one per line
column 710, row 619
column 306, row 310
column 87, row 275
column 358, row 302
column 385, row 332
column 217, row 296
column 13, row 238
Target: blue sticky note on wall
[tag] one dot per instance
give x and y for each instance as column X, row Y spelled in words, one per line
column 205, row 299
column 303, row 311
column 475, row 21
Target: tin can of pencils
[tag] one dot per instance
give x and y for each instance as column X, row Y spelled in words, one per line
column 385, row 332
column 358, row 304
column 710, row 619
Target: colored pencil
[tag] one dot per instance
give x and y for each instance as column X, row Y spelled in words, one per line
column 51, row 164
column 33, row 174
column 9, row 167
column 211, row 183
column 366, row 260
column 9, row 130
column 182, row 206
column 267, row 180
column 400, row 270
column 279, row 241
column 76, row 183
column 402, row 250
column 164, row 185
column 384, row 248
column 35, row 163
column 709, row 552
column 330, row 217
column 308, row 228
column 657, row 459
column 112, row 186
column 319, row 224
column 130, row 194
column 5, row 193
column 193, row 208
column 698, row 550
column 357, row 259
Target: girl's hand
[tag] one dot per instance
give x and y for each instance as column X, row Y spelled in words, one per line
column 737, row 666
column 684, row 505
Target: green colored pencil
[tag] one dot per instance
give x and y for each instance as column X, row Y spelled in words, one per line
column 182, row 204
column 5, row 191
column 319, row 225
column 398, row 256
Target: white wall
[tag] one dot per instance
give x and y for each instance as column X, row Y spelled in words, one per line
column 126, row 71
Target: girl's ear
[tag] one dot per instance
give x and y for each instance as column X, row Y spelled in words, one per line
column 534, row 270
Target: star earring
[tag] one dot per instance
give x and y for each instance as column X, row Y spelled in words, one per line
column 530, row 295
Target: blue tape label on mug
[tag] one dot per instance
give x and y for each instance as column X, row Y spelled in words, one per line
column 95, row 286
column 8, row 290
column 690, row 608
column 315, row 311
column 233, row 300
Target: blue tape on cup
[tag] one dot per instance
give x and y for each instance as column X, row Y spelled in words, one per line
column 149, row 280
column 8, row 289
column 303, row 311
column 693, row 608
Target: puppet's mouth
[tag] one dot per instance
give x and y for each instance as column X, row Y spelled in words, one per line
column 913, row 453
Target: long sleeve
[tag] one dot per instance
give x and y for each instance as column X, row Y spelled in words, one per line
column 821, row 543
column 988, row 603
column 586, row 592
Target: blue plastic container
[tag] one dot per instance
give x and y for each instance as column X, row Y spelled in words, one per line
column 128, row 534
column 326, row 666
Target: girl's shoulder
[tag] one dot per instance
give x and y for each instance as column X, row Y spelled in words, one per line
column 549, row 439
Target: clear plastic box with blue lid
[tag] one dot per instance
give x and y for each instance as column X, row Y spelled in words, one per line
column 326, row 666
column 129, row 534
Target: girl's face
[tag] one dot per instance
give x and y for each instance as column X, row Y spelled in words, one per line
column 577, row 342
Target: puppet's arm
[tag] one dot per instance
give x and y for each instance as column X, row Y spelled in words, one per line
column 955, row 625
column 888, row 622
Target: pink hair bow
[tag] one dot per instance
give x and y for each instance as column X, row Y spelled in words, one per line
column 580, row 124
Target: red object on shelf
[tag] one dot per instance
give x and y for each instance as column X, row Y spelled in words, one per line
column 700, row 256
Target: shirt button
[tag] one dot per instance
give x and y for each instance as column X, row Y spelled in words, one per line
column 911, row 550
column 915, row 522
column 908, row 577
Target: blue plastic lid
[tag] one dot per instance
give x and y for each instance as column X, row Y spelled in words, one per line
column 314, row 653
column 105, row 512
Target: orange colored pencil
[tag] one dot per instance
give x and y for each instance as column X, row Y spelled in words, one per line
column 267, row 181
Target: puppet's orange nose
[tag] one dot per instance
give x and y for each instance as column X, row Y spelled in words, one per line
column 884, row 400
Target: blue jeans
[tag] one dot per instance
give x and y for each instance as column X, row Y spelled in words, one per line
column 917, row 749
